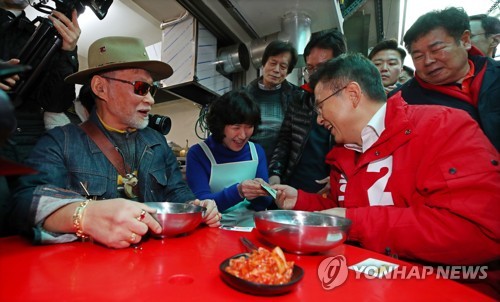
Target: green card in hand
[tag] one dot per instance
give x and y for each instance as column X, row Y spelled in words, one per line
column 269, row 190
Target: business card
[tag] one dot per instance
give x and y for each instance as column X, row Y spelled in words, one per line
column 374, row 267
column 269, row 190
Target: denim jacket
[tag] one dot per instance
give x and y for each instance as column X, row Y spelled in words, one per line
column 66, row 156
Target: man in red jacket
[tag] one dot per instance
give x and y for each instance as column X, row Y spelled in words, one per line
column 423, row 181
column 450, row 71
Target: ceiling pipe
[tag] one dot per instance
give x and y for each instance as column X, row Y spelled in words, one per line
column 234, row 58
column 295, row 28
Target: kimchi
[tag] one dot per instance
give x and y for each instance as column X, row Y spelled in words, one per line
column 262, row 266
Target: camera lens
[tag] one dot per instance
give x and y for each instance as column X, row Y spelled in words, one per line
column 160, row 123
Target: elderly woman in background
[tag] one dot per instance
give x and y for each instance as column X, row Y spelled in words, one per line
column 227, row 167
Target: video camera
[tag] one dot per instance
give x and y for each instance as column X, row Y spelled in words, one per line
column 99, row 7
column 45, row 41
column 160, row 123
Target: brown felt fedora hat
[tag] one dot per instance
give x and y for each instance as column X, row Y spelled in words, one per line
column 112, row 53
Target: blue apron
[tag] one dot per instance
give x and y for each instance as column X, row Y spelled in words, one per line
column 225, row 175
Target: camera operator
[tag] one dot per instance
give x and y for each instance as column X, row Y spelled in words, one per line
column 51, row 93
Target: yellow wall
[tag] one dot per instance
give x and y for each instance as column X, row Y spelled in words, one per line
column 184, row 115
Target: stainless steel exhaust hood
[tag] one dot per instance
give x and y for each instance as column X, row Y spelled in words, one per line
column 234, row 21
column 239, row 31
column 191, row 50
column 256, row 23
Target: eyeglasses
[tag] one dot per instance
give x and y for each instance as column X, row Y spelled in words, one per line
column 318, row 109
column 308, row 71
column 140, row 88
column 478, row 34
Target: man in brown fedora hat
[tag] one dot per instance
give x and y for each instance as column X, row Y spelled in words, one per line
column 95, row 177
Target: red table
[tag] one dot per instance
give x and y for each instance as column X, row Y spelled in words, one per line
column 186, row 269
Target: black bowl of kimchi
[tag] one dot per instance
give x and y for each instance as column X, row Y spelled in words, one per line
column 259, row 289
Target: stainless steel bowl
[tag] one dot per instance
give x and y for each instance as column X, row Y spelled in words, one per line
column 176, row 218
column 302, row 232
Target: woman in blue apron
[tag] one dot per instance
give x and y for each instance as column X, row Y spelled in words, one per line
column 227, row 167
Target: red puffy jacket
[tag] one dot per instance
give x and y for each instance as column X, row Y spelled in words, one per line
column 428, row 189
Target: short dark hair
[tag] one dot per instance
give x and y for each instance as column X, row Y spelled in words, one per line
column 233, row 107
column 327, row 39
column 410, row 71
column 453, row 19
column 388, row 44
column 491, row 25
column 277, row 47
column 353, row 67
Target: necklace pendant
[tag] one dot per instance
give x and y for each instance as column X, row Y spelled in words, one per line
column 129, row 182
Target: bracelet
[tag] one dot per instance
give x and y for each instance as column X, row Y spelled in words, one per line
column 78, row 219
